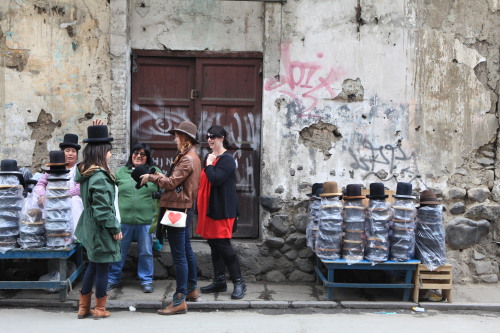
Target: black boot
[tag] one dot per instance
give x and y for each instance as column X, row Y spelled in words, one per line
column 219, row 282
column 239, row 283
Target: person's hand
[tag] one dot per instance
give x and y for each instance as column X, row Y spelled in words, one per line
column 41, row 200
column 210, row 159
column 118, row 237
column 97, row 122
column 144, row 179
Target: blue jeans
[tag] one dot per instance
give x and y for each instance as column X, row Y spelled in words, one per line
column 182, row 255
column 145, row 247
column 96, row 273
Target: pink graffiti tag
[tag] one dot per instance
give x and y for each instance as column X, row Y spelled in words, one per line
column 297, row 76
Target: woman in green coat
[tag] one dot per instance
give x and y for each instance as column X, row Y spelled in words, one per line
column 98, row 228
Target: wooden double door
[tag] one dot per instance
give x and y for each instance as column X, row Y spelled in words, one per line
column 208, row 90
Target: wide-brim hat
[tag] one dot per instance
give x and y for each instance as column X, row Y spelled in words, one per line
column 70, row 141
column 57, row 162
column 9, row 167
column 97, row 134
column 353, row 191
column 330, row 189
column 404, row 191
column 428, row 197
column 377, row 191
column 186, row 127
column 317, row 189
column 140, row 170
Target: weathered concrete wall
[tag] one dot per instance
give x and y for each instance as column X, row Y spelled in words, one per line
column 54, row 73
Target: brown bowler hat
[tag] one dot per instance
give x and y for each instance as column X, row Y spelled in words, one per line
column 428, row 197
column 330, row 189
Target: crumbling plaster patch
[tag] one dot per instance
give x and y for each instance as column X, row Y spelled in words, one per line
column 42, row 130
column 321, row 136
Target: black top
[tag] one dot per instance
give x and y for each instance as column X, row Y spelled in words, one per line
column 223, row 202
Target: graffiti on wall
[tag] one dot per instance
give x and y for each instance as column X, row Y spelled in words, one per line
column 302, row 80
column 371, row 157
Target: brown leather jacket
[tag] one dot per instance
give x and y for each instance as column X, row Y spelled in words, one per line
column 186, row 173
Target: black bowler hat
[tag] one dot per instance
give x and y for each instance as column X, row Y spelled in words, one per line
column 97, row 134
column 403, row 191
column 353, row 191
column 57, row 162
column 316, row 190
column 140, row 170
column 377, row 191
column 70, row 141
column 9, row 167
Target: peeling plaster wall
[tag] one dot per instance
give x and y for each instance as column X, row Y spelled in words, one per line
column 197, row 25
column 54, row 73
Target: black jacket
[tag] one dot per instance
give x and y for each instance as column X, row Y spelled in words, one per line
column 223, row 202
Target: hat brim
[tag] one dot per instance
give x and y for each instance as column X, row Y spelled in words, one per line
column 57, row 171
column 70, row 145
column 355, row 197
column 404, row 196
column 183, row 132
column 98, row 140
column 11, row 173
column 330, row 195
column 430, row 202
column 377, row 196
column 56, row 164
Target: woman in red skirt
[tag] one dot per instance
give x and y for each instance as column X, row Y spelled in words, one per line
column 217, row 212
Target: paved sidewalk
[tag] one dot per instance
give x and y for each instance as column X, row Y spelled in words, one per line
column 480, row 297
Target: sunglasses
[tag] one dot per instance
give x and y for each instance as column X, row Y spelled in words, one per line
column 213, row 136
column 135, row 153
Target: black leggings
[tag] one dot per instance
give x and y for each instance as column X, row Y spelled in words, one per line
column 97, row 273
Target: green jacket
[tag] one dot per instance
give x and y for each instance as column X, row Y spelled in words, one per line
column 136, row 205
column 98, row 222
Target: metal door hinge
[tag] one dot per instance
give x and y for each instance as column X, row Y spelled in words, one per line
column 194, row 94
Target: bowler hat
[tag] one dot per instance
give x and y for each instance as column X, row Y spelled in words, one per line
column 428, row 197
column 377, row 191
column 97, row 134
column 70, row 141
column 140, row 170
column 353, row 191
column 9, row 167
column 186, row 127
column 57, row 162
column 330, row 189
column 317, row 189
column 403, row 191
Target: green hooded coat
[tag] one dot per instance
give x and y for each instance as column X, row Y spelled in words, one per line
column 98, row 222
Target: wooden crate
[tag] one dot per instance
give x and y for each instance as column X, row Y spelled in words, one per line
column 440, row 278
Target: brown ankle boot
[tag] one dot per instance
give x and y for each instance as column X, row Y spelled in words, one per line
column 84, row 310
column 100, row 307
column 172, row 310
column 192, row 296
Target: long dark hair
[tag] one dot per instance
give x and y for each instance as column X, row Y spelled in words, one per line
column 95, row 154
column 147, row 150
column 220, row 132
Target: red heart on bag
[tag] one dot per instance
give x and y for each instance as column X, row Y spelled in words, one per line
column 174, row 217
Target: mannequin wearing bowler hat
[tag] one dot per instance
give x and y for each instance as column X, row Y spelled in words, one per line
column 70, row 147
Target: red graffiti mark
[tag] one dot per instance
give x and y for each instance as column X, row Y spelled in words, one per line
column 299, row 75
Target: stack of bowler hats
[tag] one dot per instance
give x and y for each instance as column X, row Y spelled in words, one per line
column 354, row 224
column 402, row 236
column 429, row 232
column 313, row 215
column 11, row 202
column 329, row 238
column 377, row 224
column 57, row 208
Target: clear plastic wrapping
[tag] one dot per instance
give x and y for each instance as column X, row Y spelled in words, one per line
column 377, row 231
column 11, row 202
column 353, row 246
column 31, row 225
column 329, row 240
column 402, row 233
column 312, row 223
column 57, row 212
column 430, row 236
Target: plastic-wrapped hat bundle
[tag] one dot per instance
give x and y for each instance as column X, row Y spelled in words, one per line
column 329, row 238
column 313, row 215
column 429, row 233
column 402, row 235
column 11, row 202
column 57, row 209
column 31, row 226
column 354, row 224
column 377, row 224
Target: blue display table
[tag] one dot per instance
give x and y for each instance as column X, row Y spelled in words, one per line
column 331, row 265
column 61, row 255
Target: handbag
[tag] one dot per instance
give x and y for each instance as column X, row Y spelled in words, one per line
column 175, row 219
